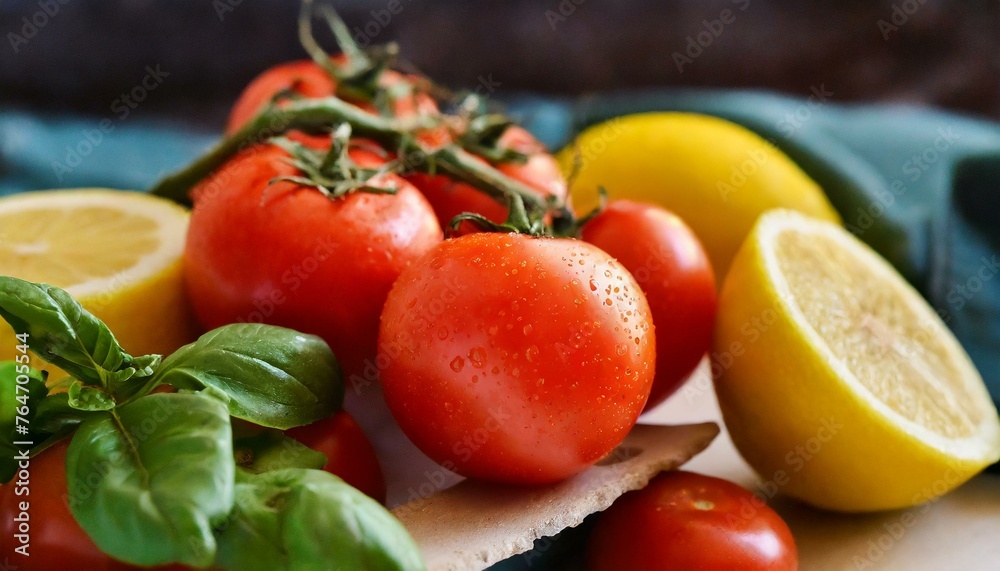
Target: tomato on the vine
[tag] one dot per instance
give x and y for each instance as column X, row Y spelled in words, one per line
column 349, row 454
column 516, row 359
column 540, row 173
column 266, row 250
column 688, row 521
column 308, row 79
column 668, row 261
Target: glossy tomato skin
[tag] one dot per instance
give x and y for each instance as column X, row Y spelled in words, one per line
column 540, row 173
column 686, row 521
column 287, row 255
column 303, row 77
column 349, row 454
column 308, row 79
column 670, row 265
column 57, row 541
column 516, row 359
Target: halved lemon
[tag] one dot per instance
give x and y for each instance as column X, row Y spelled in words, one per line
column 117, row 253
column 837, row 381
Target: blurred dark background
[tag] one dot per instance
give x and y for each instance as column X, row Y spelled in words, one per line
column 81, row 55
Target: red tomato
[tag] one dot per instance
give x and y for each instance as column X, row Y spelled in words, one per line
column 57, row 541
column 349, row 454
column 671, row 266
column 287, row 255
column 690, row 522
column 516, row 359
column 540, row 173
column 308, row 79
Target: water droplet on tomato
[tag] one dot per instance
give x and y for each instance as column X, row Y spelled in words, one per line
column 442, row 333
column 478, row 357
column 531, row 353
column 457, row 364
column 593, row 285
column 621, row 350
column 411, row 303
column 527, row 329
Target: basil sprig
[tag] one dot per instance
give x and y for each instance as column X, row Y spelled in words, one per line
column 160, row 478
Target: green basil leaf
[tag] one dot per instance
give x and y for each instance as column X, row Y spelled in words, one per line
column 149, row 480
column 275, row 377
column 270, row 449
column 21, row 390
column 54, row 414
column 87, row 398
column 305, row 520
column 62, row 332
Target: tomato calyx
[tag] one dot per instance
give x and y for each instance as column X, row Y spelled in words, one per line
column 519, row 220
column 566, row 224
column 532, row 222
column 482, row 132
column 332, row 172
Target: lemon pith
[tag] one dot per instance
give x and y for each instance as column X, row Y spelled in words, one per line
column 843, row 380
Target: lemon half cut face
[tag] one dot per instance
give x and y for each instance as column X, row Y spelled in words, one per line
column 853, row 347
column 117, row 253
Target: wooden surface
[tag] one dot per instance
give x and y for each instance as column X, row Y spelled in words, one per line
column 960, row 531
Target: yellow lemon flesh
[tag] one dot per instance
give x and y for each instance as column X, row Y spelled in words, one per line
column 716, row 175
column 843, row 387
column 117, row 253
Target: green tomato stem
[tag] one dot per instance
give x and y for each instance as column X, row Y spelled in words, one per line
column 318, row 115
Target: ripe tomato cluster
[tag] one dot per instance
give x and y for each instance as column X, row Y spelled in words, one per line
column 565, row 340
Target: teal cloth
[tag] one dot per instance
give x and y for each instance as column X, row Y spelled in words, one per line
column 921, row 186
